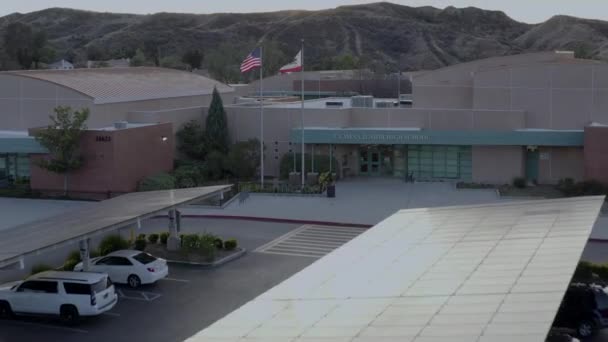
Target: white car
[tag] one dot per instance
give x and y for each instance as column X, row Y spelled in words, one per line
column 70, row 295
column 129, row 267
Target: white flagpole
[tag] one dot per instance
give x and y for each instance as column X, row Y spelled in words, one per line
column 261, row 119
column 302, row 113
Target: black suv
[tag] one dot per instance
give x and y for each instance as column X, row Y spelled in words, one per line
column 584, row 309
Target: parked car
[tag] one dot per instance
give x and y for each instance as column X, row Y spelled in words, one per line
column 130, row 267
column 584, row 309
column 561, row 335
column 70, row 295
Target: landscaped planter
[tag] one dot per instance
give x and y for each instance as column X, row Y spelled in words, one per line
column 160, row 250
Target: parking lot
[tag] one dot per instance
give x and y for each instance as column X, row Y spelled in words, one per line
column 190, row 299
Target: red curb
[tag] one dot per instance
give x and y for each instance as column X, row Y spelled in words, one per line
column 272, row 219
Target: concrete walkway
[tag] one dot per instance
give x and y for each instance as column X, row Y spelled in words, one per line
column 362, row 201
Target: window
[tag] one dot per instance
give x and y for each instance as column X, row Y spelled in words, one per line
column 144, row 258
column 101, row 285
column 114, row 261
column 37, row 286
column 78, row 289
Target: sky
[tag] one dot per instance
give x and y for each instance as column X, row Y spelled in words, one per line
column 529, row 11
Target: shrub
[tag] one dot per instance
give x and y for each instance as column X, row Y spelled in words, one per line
column 141, row 237
column 40, row 268
column 140, row 244
column 219, row 243
column 153, row 238
column 163, row 181
column 586, row 271
column 112, row 243
column 191, row 242
column 188, row 176
column 74, row 255
column 164, row 236
column 208, row 238
column 69, row 264
column 94, row 253
column 321, row 164
column 519, row 182
column 586, row 188
column 230, row 244
column 207, row 250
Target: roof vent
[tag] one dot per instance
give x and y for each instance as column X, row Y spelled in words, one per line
column 120, row 124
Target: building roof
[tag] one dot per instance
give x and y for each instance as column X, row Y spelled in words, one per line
column 111, row 85
column 483, row 273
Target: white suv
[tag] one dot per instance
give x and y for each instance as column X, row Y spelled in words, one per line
column 67, row 294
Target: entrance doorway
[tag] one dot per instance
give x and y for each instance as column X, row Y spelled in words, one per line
column 370, row 161
column 532, row 157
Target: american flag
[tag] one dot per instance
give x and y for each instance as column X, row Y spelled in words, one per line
column 253, row 60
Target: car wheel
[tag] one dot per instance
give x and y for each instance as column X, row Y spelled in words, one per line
column 585, row 329
column 5, row 310
column 69, row 314
column 133, row 281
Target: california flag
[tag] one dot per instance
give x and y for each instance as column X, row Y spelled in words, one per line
column 294, row 66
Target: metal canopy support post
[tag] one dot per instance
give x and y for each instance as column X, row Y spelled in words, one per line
column 331, row 154
column 312, row 158
column 173, row 242
column 83, row 245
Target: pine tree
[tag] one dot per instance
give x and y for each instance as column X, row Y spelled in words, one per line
column 217, row 125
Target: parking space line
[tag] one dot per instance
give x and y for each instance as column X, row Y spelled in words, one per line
column 139, row 295
column 114, row 314
column 178, row 280
column 48, row 326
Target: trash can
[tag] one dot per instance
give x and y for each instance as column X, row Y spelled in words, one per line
column 331, row 191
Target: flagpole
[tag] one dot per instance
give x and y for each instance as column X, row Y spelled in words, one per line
column 261, row 118
column 302, row 113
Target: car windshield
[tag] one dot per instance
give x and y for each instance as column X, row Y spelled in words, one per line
column 144, row 258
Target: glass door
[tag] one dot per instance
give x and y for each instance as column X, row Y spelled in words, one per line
column 375, row 158
column 363, row 161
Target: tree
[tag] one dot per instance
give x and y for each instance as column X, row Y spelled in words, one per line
column 244, row 158
column 139, row 59
column 194, row 58
column 62, row 139
column 224, row 61
column 191, row 140
column 217, row 125
column 345, row 62
column 274, row 57
column 18, row 39
column 40, row 51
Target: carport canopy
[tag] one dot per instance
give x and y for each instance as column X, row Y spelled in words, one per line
column 94, row 219
column 482, row 273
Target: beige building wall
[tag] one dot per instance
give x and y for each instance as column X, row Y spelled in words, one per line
column 560, row 162
column 497, row 164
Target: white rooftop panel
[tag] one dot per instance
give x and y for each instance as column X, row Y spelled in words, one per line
column 492, row 272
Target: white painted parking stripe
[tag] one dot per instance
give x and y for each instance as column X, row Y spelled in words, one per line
column 310, row 241
column 47, row 326
column 178, row 280
column 114, row 314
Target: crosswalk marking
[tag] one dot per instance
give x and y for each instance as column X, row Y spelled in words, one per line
column 311, row 241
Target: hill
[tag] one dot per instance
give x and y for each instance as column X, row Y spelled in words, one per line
column 382, row 34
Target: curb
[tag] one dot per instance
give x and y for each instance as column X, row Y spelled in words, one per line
column 272, row 219
column 216, row 263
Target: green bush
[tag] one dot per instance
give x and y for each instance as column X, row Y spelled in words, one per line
column 112, row 243
column 191, row 242
column 41, row 268
column 189, row 176
column 140, row 244
column 141, row 236
column 164, row 236
column 519, row 182
column 321, row 164
column 207, row 250
column 586, row 271
column 153, row 238
column 586, row 188
column 74, row 255
column 94, row 253
column 214, row 167
column 218, row 243
column 163, row 181
column 230, row 244
column 69, row 264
